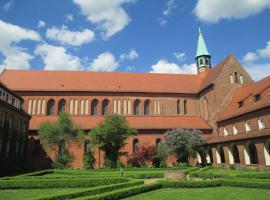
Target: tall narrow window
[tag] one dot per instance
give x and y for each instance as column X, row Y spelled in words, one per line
column 30, row 106
column 136, row 108
column 205, row 103
column 34, row 106
column 105, row 107
column 71, row 105
column 61, row 105
column 94, row 107
column 129, row 107
column 82, row 106
column 235, row 130
column 86, row 107
column 178, row 106
column 50, row 107
column 261, row 124
column 185, row 106
column 147, row 107
column 236, row 77
column 115, row 106
column 43, row 107
column 39, row 107
column 241, row 79
column 231, row 79
column 76, row 106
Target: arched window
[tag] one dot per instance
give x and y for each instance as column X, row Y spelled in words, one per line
column 30, row 106
column 76, row 107
column 241, row 79
column 135, row 146
column 94, row 107
column 82, row 106
column 50, row 107
column 34, row 106
column 236, row 77
column 71, row 105
column 105, row 107
column 147, row 107
column 39, row 107
column 261, row 124
column 201, row 61
column 158, row 141
column 247, row 126
column 178, row 107
column 235, row 130
column 61, row 105
column 185, row 106
column 129, row 107
column 86, row 107
column 136, row 108
column 226, row 132
column 231, row 79
column 206, row 61
column 43, row 107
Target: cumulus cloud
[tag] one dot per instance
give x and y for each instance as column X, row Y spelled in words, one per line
column 41, row 24
column 258, row 71
column 213, row 10
column 107, row 15
column 105, row 62
column 163, row 66
column 260, row 53
column 69, row 18
column 181, row 56
column 16, row 57
column 73, row 38
column 131, row 55
column 6, row 7
column 57, row 58
column 170, row 5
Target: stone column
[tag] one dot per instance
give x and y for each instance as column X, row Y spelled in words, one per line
column 260, row 153
column 226, row 155
column 241, row 154
column 213, row 149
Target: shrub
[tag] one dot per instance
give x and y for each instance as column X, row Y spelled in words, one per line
column 123, row 193
column 258, row 175
column 57, row 183
column 92, row 191
column 191, row 184
column 147, row 175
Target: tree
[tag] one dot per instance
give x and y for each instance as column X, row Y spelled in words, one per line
column 144, row 156
column 110, row 136
column 185, row 143
column 163, row 151
column 58, row 136
column 88, row 159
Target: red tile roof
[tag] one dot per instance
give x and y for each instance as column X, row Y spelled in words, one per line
column 138, row 122
column 241, row 94
column 41, row 80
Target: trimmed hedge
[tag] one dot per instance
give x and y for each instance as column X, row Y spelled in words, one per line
column 123, row 193
column 146, row 175
column 246, row 183
column 191, row 184
column 57, row 183
column 92, row 191
column 258, row 175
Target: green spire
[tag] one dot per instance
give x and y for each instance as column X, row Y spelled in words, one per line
column 201, row 48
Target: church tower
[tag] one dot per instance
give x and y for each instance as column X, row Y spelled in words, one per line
column 203, row 58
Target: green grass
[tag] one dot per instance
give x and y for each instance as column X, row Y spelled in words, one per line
column 37, row 193
column 220, row 193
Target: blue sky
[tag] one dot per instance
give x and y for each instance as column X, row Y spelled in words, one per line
column 132, row 35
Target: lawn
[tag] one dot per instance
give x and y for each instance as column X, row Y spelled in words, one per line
column 220, row 193
column 30, row 193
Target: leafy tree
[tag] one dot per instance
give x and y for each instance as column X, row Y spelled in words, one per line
column 144, row 156
column 110, row 136
column 58, row 136
column 163, row 151
column 185, row 143
column 89, row 159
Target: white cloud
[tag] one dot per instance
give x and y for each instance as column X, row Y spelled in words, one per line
column 74, row 38
column 181, row 56
column 57, row 58
column 162, row 21
column 260, row 53
column 107, row 15
column 8, row 5
column 69, row 18
column 130, row 68
column 250, row 56
column 170, row 5
column 132, row 55
column 163, row 66
column 41, row 24
column 15, row 56
column 215, row 10
column 105, row 62
column 258, row 71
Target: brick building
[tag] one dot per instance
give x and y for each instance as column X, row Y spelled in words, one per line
column 14, row 122
column 224, row 102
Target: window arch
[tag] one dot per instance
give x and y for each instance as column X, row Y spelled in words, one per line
column 185, row 106
column 34, row 106
column 71, row 106
column 201, row 61
column 82, row 107
column 30, row 106
column 86, row 106
column 105, row 107
column 39, row 107
column 136, row 108
column 43, row 107
column 178, row 106
column 220, row 155
column 158, row 141
column 94, row 107
column 50, row 107
column 61, row 106
column 135, row 145
column 261, row 123
column 147, row 107
column 233, row 154
column 76, row 107
column 247, row 126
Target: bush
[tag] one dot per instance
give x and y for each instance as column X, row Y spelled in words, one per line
column 57, row 183
column 258, row 175
column 123, row 193
column 191, row 184
column 246, row 183
column 92, row 191
column 89, row 161
column 147, row 175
